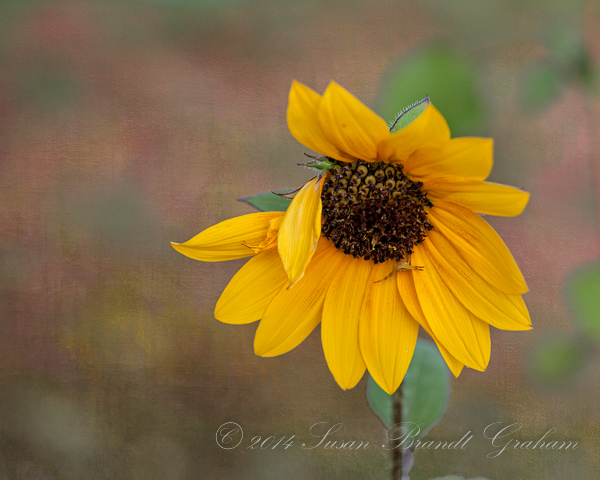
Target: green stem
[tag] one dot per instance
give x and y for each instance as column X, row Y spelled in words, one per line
column 397, row 452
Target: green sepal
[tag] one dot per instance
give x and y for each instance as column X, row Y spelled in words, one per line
column 321, row 164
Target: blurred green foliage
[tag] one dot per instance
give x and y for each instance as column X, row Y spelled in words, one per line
column 583, row 293
column 457, row 478
column 449, row 78
column 567, row 62
column 120, row 218
column 50, row 88
column 197, row 3
column 557, row 360
column 541, row 85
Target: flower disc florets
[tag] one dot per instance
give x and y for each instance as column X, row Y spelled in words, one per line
column 373, row 210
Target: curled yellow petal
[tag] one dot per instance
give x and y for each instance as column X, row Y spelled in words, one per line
column 300, row 230
column 228, row 240
column 303, row 124
column 481, row 197
column 388, row 333
column 408, row 294
column 466, row 157
column 478, row 243
column 247, row 295
column 339, row 325
column 429, row 127
column 294, row 313
column 465, row 336
column 507, row 312
column 349, row 125
column 271, row 239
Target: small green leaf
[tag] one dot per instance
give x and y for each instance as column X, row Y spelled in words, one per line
column 409, row 115
column 267, row 201
column 583, row 293
column 541, row 85
column 556, row 360
column 425, row 390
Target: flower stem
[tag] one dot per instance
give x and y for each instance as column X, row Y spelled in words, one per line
column 397, row 452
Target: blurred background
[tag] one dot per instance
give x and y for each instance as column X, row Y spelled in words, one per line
column 125, row 125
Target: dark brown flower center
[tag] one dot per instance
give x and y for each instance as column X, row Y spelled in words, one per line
column 373, row 210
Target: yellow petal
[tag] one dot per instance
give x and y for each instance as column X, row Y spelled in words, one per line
column 481, row 197
column 349, row 125
column 507, row 312
column 247, row 295
column 294, row 313
column 408, row 294
column 464, row 335
column 429, row 127
column 228, row 240
column 388, row 333
column 339, row 326
column 300, row 230
column 303, row 124
column 479, row 245
column 466, row 157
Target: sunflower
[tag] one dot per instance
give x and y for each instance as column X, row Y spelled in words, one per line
column 387, row 239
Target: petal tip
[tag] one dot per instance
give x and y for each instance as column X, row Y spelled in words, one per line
column 388, row 390
column 262, row 351
column 259, row 350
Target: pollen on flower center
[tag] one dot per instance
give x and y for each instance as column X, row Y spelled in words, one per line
column 373, row 210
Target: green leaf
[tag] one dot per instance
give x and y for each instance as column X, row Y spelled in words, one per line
column 267, row 201
column 425, row 390
column 450, row 80
column 409, row 115
column 380, row 402
column 541, row 85
column 583, row 294
column 556, row 360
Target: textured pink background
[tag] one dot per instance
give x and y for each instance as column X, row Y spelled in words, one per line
column 124, row 125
